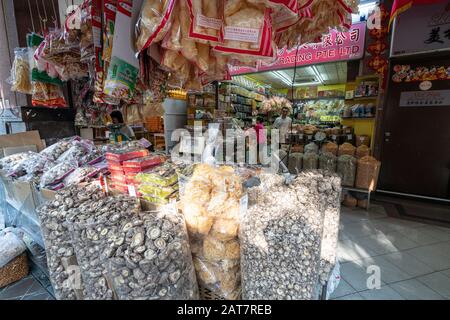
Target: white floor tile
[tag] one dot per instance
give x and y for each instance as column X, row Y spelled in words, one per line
column 359, row 229
column 415, row 290
column 433, row 256
column 446, row 272
column 408, row 263
column 421, row 237
column 435, row 232
column 382, row 243
column 353, row 296
column 348, row 250
column 437, row 281
column 384, row 293
column 388, row 272
column 343, row 289
column 355, row 275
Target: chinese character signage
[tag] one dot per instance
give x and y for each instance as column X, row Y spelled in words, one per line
column 422, row 28
column 432, row 98
column 335, row 46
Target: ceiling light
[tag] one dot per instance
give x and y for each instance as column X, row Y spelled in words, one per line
column 317, row 73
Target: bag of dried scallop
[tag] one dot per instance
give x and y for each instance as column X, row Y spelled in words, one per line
column 346, row 168
column 212, row 203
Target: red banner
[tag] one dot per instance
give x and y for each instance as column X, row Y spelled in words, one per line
column 335, row 46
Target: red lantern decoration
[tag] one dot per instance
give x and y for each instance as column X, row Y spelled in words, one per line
column 377, row 47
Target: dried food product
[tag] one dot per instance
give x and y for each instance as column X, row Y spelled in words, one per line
column 77, row 152
column 350, row 201
column 367, row 173
column 47, row 95
column 57, row 173
column 172, row 40
column 156, row 191
column 295, row 162
column 140, row 164
column 346, row 148
column 57, row 149
column 97, row 232
column 154, row 260
column 61, row 260
column 281, row 236
column 37, row 164
column 328, row 250
column 327, row 161
column 206, row 20
column 14, row 165
column 247, row 30
column 311, row 148
column 346, row 168
column 362, row 151
column 79, row 175
column 87, row 35
column 211, row 204
column 330, row 147
column 20, row 72
column 119, row 156
column 163, row 175
column 310, row 161
column 362, row 140
column 154, row 22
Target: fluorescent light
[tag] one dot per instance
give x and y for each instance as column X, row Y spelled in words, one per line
column 317, row 73
column 282, row 77
column 306, row 84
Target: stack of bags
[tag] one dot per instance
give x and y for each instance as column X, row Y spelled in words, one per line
column 125, row 166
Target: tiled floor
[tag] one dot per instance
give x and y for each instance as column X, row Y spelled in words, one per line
column 413, row 258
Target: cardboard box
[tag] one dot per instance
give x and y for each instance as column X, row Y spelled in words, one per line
column 22, row 139
column 13, row 150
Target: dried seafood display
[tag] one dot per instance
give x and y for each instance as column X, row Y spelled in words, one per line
column 346, row 168
column 211, row 204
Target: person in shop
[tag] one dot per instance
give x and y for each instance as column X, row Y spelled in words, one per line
column 283, row 123
column 117, row 119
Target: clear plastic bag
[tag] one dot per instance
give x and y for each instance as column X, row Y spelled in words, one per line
column 79, row 175
column 247, row 31
column 165, row 270
column 310, row 161
column 346, row 168
column 328, row 161
column 10, row 247
column 311, row 148
column 57, row 173
column 346, row 148
column 47, row 95
column 330, row 147
column 78, row 151
column 20, row 72
column 367, row 173
column 206, row 20
column 154, row 22
column 98, row 232
column 57, row 149
column 211, row 203
column 87, row 36
column 281, row 237
column 362, row 151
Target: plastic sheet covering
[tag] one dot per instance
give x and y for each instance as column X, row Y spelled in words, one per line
column 346, row 168
column 163, row 267
column 211, row 204
column 281, row 237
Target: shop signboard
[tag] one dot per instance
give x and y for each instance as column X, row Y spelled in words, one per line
column 431, row 98
column 335, row 46
column 422, row 28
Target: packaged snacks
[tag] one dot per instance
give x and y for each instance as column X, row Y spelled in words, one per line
column 121, row 80
column 247, row 30
column 330, row 147
column 211, row 203
column 79, row 175
column 20, row 73
column 206, row 20
column 47, row 95
column 346, row 148
column 327, row 161
column 362, row 151
column 87, row 35
column 163, row 175
column 346, row 169
column 127, row 155
column 110, row 9
column 367, row 173
column 154, row 22
column 140, row 164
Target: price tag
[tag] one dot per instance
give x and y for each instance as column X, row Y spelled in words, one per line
column 334, row 137
column 300, row 136
column 349, row 137
column 132, row 191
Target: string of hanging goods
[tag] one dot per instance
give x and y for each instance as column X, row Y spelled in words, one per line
column 31, row 16
column 40, row 17
column 46, row 17
column 55, row 14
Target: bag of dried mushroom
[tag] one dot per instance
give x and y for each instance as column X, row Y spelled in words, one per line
column 346, row 168
column 211, row 205
column 327, row 161
column 161, row 262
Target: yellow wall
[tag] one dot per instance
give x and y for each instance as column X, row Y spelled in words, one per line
column 362, row 127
